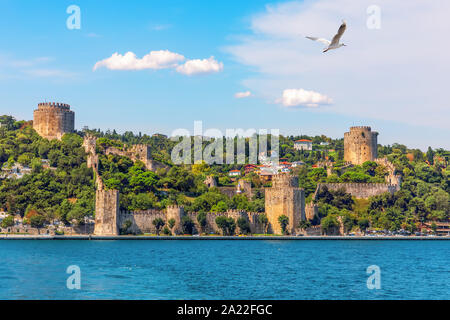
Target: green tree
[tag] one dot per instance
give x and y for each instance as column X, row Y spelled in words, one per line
column 37, row 221
column 187, row 225
column 201, row 219
column 329, row 223
column 171, row 223
column 125, row 227
column 262, row 218
column 304, row 224
column 243, row 225
column 158, row 223
column 283, row 220
column 228, row 225
column 430, row 155
column 167, row 231
column 363, row 224
column 7, row 222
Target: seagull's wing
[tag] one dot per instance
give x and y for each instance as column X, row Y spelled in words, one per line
column 325, row 41
column 338, row 35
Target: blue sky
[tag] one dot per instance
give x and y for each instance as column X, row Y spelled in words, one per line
column 260, row 48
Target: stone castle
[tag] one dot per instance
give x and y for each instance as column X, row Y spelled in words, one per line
column 360, row 145
column 52, row 120
column 284, row 198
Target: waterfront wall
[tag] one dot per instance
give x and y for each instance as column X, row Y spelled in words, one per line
column 142, row 221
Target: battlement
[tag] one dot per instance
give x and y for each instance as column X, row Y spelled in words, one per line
column 59, row 105
column 360, row 128
column 283, row 180
column 174, row 207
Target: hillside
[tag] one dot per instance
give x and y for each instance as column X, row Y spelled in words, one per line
column 45, row 181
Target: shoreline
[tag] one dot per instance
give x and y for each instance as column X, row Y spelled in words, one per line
column 203, row 238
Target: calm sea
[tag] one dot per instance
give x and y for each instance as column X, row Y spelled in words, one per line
column 225, row 269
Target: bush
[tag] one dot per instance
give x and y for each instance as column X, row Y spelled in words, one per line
column 201, row 219
column 283, row 220
column 243, row 225
column 37, row 221
column 187, row 225
column 167, row 231
column 8, row 222
column 228, row 225
column 158, row 223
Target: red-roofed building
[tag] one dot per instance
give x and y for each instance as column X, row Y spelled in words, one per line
column 250, row 168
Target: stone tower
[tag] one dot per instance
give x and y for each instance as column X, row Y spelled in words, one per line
column 177, row 213
column 285, row 198
column 106, row 212
column 360, row 145
column 52, row 120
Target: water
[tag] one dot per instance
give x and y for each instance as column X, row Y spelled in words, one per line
column 225, row 269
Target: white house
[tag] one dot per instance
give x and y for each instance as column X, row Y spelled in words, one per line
column 303, row 144
column 234, row 173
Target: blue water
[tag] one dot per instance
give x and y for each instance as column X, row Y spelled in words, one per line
column 224, row 269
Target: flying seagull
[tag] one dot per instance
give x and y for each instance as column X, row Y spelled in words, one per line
column 333, row 44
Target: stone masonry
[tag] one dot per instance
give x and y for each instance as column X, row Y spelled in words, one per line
column 52, row 120
column 139, row 152
column 284, row 198
column 360, row 145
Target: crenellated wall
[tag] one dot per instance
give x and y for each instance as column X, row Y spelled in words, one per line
column 142, row 221
column 360, row 190
column 139, row 152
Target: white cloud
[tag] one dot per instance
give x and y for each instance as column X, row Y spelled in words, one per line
column 302, row 97
column 160, row 27
column 161, row 59
column 240, row 95
column 396, row 73
column 199, row 66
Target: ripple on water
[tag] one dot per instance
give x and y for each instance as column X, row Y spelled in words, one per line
column 225, row 269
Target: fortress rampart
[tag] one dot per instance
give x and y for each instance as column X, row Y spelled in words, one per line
column 52, row 120
column 137, row 152
column 360, row 190
column 142, row 221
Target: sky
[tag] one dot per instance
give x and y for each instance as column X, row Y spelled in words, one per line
column 156, row 66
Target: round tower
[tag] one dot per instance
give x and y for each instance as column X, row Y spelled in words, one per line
column 360, row 145
column 52, row 120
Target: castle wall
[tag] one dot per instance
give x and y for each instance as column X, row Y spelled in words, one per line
column 142, row 221
column 53, row 120
column 137, row 152
column 360, row 190
column 360, row 145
